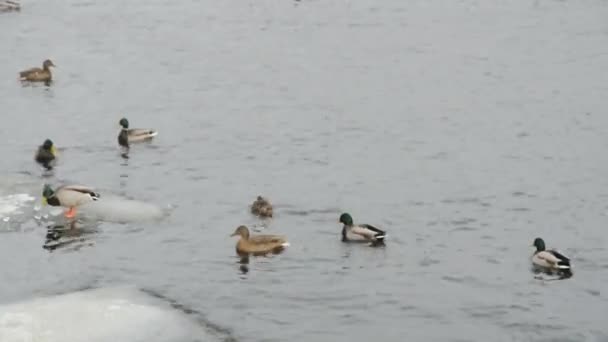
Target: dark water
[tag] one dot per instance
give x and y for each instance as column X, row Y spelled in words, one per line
column 465, row 129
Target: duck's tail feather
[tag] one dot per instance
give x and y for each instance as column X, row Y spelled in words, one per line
column 286, row 244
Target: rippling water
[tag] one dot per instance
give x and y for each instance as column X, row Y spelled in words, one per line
column 465, row 129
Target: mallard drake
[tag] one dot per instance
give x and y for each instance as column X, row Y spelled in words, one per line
column 360, row 232
column 69, row 196
column 550, row 260
column 37, row 74
column 46, row 154
column 261, row 207
column 130, row 135
column 8, row 5
column 258, row 244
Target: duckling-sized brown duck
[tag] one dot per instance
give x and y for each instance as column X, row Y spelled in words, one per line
column 258, row 244
column 8, row 5
column 261, row 207
column 37, row 74
column 46, row 154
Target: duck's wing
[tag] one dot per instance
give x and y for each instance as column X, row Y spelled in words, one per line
column 562, row 260
column 136, row 132
column 267, row 239
column 545, row 259
column 261, row 208
column 75, row 195
column 369, row 232
column 80, row 189
column 29, row 71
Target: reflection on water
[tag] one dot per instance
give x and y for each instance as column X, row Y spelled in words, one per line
column 540, row 272
column 245, row 258
column 71, row 234
column 244, row 263
column 46, row 84
column 124, row 153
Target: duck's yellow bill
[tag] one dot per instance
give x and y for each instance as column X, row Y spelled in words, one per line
column 44, row 202
column 53, row 150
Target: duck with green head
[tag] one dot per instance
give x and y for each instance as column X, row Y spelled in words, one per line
column 360, row 232
column 131, row 135
column 46, row 154
column 550, row 259
column 69, row 196
column 37, row 74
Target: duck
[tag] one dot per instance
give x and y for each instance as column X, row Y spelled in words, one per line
column 8, row 5
column 360, row 232
column 258, row 244
column 261, row 207
column 550, row 260
column 130, row 135
column 38, row 75
column 69, row 196
column 46, row 154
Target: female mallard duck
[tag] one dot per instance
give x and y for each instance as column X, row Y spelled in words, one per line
column 37, row 74
column 132, row 135
column 46, row 154
column 550, row 260
column 69, row 196
column 360, row 232
column 8, row 5
column 258, row 244
column 261, row 207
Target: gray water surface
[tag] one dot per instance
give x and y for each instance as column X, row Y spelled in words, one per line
column 463, row 128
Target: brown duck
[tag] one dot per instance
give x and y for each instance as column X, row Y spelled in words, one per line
column 9, row 5
column 258, row 244
column 261, row 207
column 37, row 74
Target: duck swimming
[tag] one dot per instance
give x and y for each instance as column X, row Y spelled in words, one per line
column 37, row 74
column 550, row 260
column 131, row 135
column 258, row 244
column 360, row 232
column 261, row 207
column 46, row 154
column 69, row 196
column 9, row 5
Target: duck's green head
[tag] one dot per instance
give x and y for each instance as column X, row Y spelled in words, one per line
column 539, row 244
column 48, row 146
column 47, row 192
column 346, row 219
column 124, row 123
